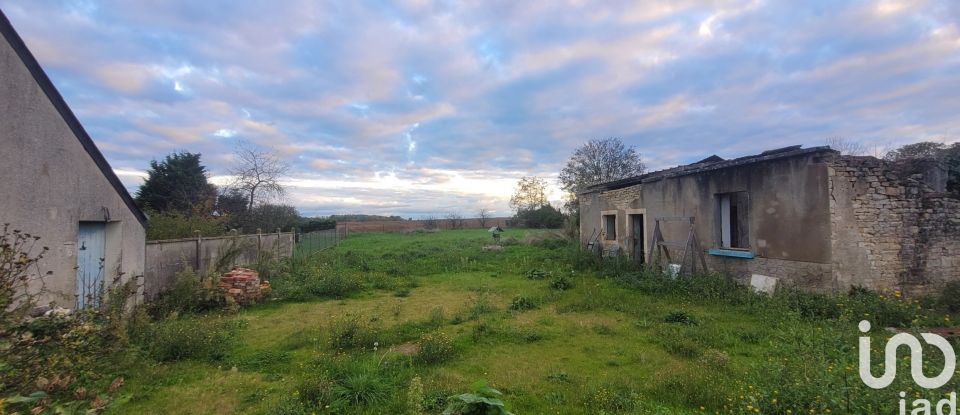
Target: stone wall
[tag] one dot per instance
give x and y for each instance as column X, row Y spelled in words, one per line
column 821, row 223
column 939, row 261
column 810, row 276
column 890, row 229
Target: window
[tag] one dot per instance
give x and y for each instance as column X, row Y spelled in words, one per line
column 610, row 226
column 734, row 220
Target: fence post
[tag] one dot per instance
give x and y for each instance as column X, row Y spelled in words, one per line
column 278, row 243
column 198, row 251
column 259, row 243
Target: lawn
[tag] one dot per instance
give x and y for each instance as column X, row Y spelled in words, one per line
column 423, row 316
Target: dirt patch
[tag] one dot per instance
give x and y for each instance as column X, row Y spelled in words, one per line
column 406, row 349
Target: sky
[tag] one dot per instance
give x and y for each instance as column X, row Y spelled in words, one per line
column 423, row 108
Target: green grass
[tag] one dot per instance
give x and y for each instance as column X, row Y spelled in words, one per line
column 624, row 343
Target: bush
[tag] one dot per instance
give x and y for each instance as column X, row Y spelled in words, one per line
column 882, row 311
column 353, row 332
column 949, row 298
column 320, row 280
column 365, row 388
column 680, row 317
column 190, row 294
column 316, row 224
column 484, row 400
column 175, row 225
column 59, row 360
column 334, row 284
column 316, row 391
column 269, row 268
column 537, row 274
column 190, row 338
column 434, row 348
column 521, row 303
column 808, row 305
column 545, row 216
column 343, row 384
column 561, row 283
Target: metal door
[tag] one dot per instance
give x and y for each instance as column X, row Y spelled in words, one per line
column 636, row 228
column 91, row 244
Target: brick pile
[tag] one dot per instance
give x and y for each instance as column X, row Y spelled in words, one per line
column 243, row 285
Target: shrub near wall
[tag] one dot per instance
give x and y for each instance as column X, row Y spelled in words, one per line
column 177, row 225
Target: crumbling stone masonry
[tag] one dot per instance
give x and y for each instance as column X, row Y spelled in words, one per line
column 893, row 227
column 812, row 218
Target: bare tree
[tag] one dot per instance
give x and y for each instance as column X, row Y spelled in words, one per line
column 455, row 220
column 846, row 147
column 598, row 161
column 430, row 222
column 483, row 215
column 258, row 173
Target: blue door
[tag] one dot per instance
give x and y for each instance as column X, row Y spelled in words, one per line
column 91, row 244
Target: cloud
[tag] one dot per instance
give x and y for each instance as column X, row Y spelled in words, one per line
column 417, row 107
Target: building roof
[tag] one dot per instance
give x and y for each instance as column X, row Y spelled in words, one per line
column 64, row 110
column 708, row 164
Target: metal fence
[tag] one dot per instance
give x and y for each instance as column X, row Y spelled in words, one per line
column 309, row 243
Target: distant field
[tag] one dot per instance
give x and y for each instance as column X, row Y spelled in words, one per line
column 553, row 334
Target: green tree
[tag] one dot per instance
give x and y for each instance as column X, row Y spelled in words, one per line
column 949, row 155
column 530, row 194
column 267, row 217
column 177, row 183
column 175, row 225
column 545, row 216
column 232, row 202
column 917, row 151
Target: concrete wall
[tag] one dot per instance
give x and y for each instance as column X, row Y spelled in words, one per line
column 891, row 229
column 166, row 258
column 789, row 223
column 49, row 184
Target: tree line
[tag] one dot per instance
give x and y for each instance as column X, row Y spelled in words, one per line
column 180, row 200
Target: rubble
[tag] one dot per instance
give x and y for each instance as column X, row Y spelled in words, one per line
column 243, row 285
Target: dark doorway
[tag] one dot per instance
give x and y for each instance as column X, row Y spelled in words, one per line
column 636, row 236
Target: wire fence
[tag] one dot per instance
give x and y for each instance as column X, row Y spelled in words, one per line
column 309, row 243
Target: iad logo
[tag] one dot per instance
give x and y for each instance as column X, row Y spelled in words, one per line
column 920, row 406
column 916, row 359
